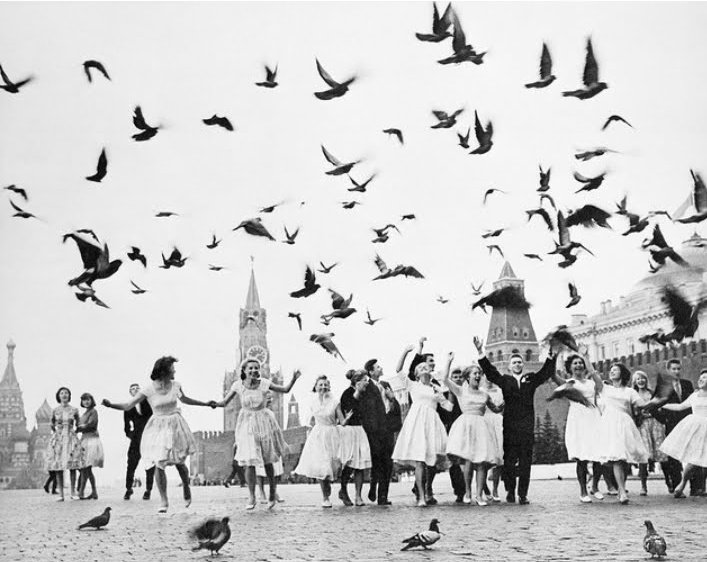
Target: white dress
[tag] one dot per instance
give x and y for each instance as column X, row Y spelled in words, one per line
column 496, row 420
column 688, row 441
column 422, row 437
column 618, row 436
column 320, row 455
column 472, row 436
column 167, row 438
column 582, row 425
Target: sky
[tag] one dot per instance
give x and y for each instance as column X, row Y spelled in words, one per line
column 183, row 62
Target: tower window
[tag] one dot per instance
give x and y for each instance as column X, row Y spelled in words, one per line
column 526, row 333
column 516, row 331
column 528, row 354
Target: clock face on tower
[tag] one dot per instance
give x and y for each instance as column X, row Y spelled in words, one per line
column 257, row 352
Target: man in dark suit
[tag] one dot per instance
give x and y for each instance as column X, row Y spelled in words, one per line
column 380, row 413
column 518, row 417
column 135, row 420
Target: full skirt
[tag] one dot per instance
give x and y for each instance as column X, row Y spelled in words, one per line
column 354, row 449
column 259, row 438
column 653, row 434
column 320, row 455
column 688, row 441
column 619, row 439
column 64, row 451
column 421, row 439
column 581, row 433
column 473, row 438
column 167, row 440
column 91, row 451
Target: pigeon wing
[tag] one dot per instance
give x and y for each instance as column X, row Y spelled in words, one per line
column 139, row 119
column 309, row 278
column 699, row 193
column 326, row 76
column 591, row 70
column 680, row 310
column 459, row 39
column 545, row 62
column 89, row 250
column 337, row 301
column 330, row 157
column 478, row 129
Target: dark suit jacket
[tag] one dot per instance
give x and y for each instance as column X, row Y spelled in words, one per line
column 134, row 423
column 519, row 410
column 447, row 417
column 374, row 419
column 674, row 418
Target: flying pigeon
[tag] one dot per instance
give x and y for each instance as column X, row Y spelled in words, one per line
column 493, row 233
column 544, row 179
column 89, row 293
column 166, row 214
column 215, row 267
column 440, row 26
column 575, row 297
column 255, row 227
column 684, row 315
column 339, row 167
column 464, row 139
column 462, row 51
column 310, row 285
column 147, row 131
column 349, row 204
column 214, row 243
column 386, row 272
column 407, row 217
column 560, row 337
column 505, row 297
column 544, row 196
column 533, row 257
column 588, row 216
column 370, row 321
column 476, row 291
column 212, row 535
column 98, row 521
column 483, row 135
column 96, row 260
column 589, row 183
column 653, row 543
column 546, row 75
column 290, row 238
column 297, row 316
column 21, row 192
column 542, row 213
column 424, row 538
column 10, row 86
column 496, row 247
column 96, row 65
column 337, row 89
column 135, row 254
column 699, row 199
column 444, row 120
column 175, row 260
column 384, row 230
column 569, row 391
column 101, row 168
column 327, row 268
column 340, row 305
column 613, row 118
column 442, row 300
column 659, row 250
column 270, row 78
column 21, row 213
column 270, row 208
column 327, row 344
column 490, row 191
column 590, row 78
column 360, row 187
column 137, row 290
column 396, row 132
column 593, row 153
column 219, row 121
column 565, row 246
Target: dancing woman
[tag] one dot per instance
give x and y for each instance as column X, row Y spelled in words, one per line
column 422, row 441
column 472, row 438
column 91, row 447
column 688, row 441
column 259, row 439
column 652, row 430
column 320, row 455
column 64, row 452
column 619, row 441
column 582, row 425
column 167, row 439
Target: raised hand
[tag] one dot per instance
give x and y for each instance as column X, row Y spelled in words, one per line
column 479, row 344
column 106, row 403
column 297, row 374
column 450, row 357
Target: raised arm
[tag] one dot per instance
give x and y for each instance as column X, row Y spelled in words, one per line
column 451, row 385
column 489, row 370
column 547, row 370
column 284, row 389
column 684, row 405
column 401, row 361
column 139, row 397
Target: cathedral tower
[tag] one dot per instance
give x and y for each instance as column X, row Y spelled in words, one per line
column 510, row 329
column 293, row 413
column 12, row 409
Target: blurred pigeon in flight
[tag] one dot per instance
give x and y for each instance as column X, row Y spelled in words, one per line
column 297, row 316
column 137, row 290
column 616, row 118
column 483, row 135
column 10, row 86
column 546, row 75
column 440, row 25
column 101, row 168
column 255, row 227
column 147, row 131
column 386, row 272
column 544, row 179
column 94, row 65
column 223, row 122
column 270, row 78
column 575, row 297
column 214, row 243
column 339, row 167
column 310, row 285
column 96, row 260
column 593, row 153
column 445, row 121
column 135, row 255
column 590, row 78
column 462, row 51
column 588, row 216
column 336, row 89
column 327, row 344
column 395, row 132
column 589, row 183
column 699, row 199
column 21, row 213
column 20, row 191
column 327, row 268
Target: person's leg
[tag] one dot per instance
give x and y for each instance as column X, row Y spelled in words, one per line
column 250, row 480
column 149, row 479
column 643, row 475
column 667, row 476
column 346, row 473
column 581, row 471
column 620, row 476
column 376, row 447
column 92, row 480
column 60, row 484
column 161, row 479
column 468, row 473
column 133, row 460
column 456, row 477
column 421, row 481
column 695, row 480
column 272, row 484
column 597, row 472
column 510, row 458
column 430, row 474
column 525, row 460
column 325, row 493
column 51, row 479
column 72, row 480
column 183, row 471
column 386, row 472
column 358, row 485
column 675, row 471
column 680, row 489
column 481, row 471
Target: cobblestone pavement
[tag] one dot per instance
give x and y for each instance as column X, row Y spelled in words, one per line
column 555, row 526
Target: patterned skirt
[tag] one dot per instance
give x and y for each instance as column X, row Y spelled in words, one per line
column 64, row 451
column 91, row 451
column 259, row 439
column 167, row 440
column 653, row 434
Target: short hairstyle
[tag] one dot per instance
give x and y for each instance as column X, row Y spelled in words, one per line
column 637, row 375
column 60, row 389
column 244, row 364
column 426, row 356
column 672, row 362
column 570, row 359
column 320, row 377
column 515, row 355
column 456, row 370
column 88, row 396
column 368, row 365
column 625, row 373
column 703, row 371
column 134, row 384
column 355, row 375
column 466, row 373
column 162, row 366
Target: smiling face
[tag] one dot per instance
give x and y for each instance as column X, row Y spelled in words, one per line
column 64, row 396
column 252, row 373
column 85, row 402
column 702, row 382
column 422, row 373
column 430, row 362
column 516, row 365
column 641, row 380
column 578, row 369
column 134, row 389
column 323, row 386
column 475, row 377
column 614, row 373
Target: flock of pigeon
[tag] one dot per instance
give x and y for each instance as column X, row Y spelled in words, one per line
column 97, row 265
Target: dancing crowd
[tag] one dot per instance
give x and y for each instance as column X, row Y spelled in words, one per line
column 471, row 421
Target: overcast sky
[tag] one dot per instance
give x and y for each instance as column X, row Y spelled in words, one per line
column 184, row 62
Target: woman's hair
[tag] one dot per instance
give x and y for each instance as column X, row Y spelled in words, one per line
column 636, row 376
column 319, row 378
column 244, row 364
column 625, row 373
column 468, row 370
column 162, row 366
column 570, row 359
column 60, row 389
column 419, row 366
column 355, row 375
column 87, row 396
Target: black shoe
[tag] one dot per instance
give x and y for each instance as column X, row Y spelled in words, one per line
column 146, row 495
column 128, row 493
column 384, row 501
column 225, row 484
column 372, row 494
column 524, row 500
column 344, row 497
column 431, row 501
column 460, row 499
column 511, row 497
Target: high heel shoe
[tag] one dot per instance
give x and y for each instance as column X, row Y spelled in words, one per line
column 162, row 509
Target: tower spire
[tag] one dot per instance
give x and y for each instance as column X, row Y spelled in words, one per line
column 252, row 301
column 9, row 379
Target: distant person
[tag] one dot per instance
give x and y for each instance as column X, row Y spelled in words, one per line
column 91, row 447
column 64, row 451
column 134, row 421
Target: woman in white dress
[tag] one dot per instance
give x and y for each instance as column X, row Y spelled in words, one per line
column 422, row 441
column 688, row 441
column 496, row 420
column 582, row 426
column 651, row 429
column 619, row 441
column 277, row 468
column 167, row 439
column 320, row 455
column 259, row 439
column 472, row 437
column 91, row 447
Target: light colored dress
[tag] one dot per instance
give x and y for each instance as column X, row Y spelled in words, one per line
column 422, row 437
column 472, row 436
column 320, row 455
column 582, row 425
column 354, row 447
column 653, row 434
column 688, row 441
column 64, row 450
column 618, row 436
column 259, row 439
column 91, row 447
column 167, row 439
column 496, row 420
